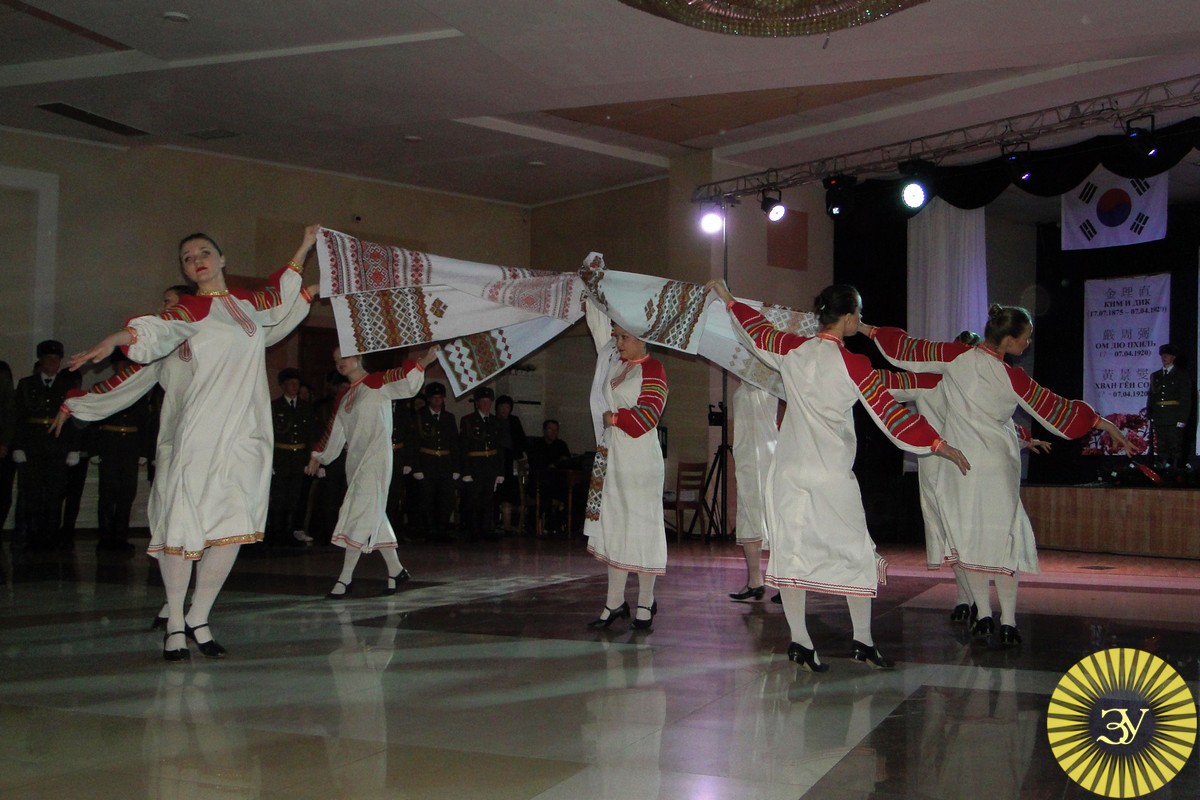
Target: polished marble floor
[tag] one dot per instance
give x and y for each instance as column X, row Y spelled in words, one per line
column 479, row 679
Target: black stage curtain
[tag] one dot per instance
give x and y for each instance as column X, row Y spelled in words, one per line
column 1057, row 171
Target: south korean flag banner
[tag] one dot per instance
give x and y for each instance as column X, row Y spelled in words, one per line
column 1108, row 211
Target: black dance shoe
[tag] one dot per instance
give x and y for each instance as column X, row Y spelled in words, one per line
column 871, row 655
column 984, row 628
column 210, row 649
column 778, row 598
column 644, row 624
column 614, row 614
column 961, row 613
column 159, row 623
column 1009, row 637
column 175, row 656
column 756, row 592
column 393, row 581
column 807, row 659
column 342, row 596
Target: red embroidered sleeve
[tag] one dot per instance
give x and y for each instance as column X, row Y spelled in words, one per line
column 895, row 420
column 898, row 346
column 1068, row 418
column 650, row 403
column 270, row 295
column 765, row 335
column 1023, row 433
column 393, row 375
column 893, row 380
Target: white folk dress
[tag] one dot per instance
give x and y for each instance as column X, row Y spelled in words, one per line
column 362, row 424
column 755, row 436
column 981, row 514
column 215, row 487
column 174, row 374
column 819, row 538
column 624, row 522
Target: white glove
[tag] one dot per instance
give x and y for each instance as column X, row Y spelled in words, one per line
column 19, row 457
column 321, row 472
column 94, row 459
column 142, row 461
column 468, row 479
column 406, row 471
column 499, row 480
column 72, row 458
column 454, row 476
column 420, row 476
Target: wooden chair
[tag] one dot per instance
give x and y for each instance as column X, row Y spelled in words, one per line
column 689, row 496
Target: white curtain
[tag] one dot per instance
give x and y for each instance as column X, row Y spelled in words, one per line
column 947, row 272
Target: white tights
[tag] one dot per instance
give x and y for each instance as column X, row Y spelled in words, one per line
column 211, row 572
column 616, row 592
column 794, row 601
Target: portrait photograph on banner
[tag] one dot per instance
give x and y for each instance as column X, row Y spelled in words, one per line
column 1125, row 321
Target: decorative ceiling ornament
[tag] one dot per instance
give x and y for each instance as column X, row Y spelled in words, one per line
column 772, row 17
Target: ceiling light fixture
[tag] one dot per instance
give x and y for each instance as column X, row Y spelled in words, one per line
column 1141, row 137
column 839, row 197
column 772, row 205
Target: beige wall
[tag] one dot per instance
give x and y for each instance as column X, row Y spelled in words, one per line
column 123, row 211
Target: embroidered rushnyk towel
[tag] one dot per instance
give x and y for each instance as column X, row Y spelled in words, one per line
column 679, row 316
column 492, row 316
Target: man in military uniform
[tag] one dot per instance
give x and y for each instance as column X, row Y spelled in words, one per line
column 295, row 423
column 121, row 443
column 403, row 446
column 436, row 466
column 1169, row 405
column 482, row 467
column 41, row 459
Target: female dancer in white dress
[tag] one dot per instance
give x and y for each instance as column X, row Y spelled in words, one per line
column 981, row 516
column 215, row 488
column 819, row 538
column 624, row 522
column 173, row 373
column 362, row 424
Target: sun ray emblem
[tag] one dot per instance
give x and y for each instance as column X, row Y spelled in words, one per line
column 1121, row 723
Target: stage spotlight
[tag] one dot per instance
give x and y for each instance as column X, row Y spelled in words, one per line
column 1140, row 137
column 772, row 205
column 839, row 197
column 712, row 222
column 915, row 192
column 1016, row 161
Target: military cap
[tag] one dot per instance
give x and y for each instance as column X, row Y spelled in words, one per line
column 289, row 374
column 484, row 392
column 50, row 347
column 435, row 388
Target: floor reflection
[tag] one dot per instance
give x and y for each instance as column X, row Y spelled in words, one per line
column 479, row 679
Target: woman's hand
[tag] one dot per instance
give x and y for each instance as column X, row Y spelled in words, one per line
column 314, row 290
column 722, row 291
column 608, row 419
column 306, row 244
column 865, row 329
column 101, row 351
column 1118, row 437
column 428, row 357
column 1036, row 446
column 60, row 419
column 313, row 465
column 955, row 455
